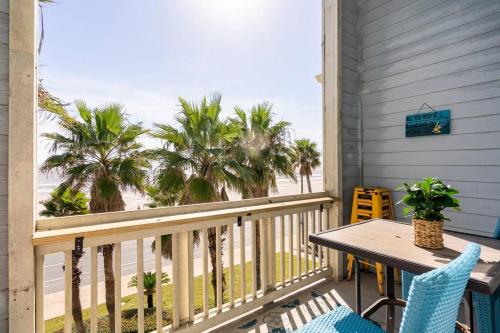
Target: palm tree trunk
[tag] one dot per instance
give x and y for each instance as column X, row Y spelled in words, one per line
column 99, row 205
column 301, row 183
column 212, row 245
column 109, row 283
column 212, row 248
column 150, row 301
column 258, row 193
column 76, row 309
column 309, row 183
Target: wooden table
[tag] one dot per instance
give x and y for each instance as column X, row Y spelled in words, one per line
column 391, row 243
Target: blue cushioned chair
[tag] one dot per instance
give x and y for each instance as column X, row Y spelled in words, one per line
column 433, row 302
column 486, row 307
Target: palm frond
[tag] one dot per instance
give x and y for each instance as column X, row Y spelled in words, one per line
column 99, row 150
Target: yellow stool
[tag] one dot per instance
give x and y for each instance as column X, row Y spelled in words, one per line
column 370, row 203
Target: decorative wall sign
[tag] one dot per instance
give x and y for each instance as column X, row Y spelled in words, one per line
column 428, row 123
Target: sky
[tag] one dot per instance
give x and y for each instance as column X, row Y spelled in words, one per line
column 144, row 54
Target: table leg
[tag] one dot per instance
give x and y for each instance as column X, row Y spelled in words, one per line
column 357, row 280
column 389, row 291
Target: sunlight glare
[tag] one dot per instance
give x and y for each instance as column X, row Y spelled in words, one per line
column 233, row 11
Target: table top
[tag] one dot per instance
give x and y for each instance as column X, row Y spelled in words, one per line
column 391, row 243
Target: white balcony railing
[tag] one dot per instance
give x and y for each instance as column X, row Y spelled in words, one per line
column 284, row 224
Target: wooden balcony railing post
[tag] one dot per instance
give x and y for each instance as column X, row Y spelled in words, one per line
column 204, row 253
column 243, row 286
column 298, row 244
column 68, row 301
column 182, row 268
column 290, row 247
column 94, row 290
column 40, row 292
column 253, row 241
column 268, row 254
column 271, row 239
column 264, row 276
column 282, row 250
column 230, row 246
column 158, row 287
column 118, row 286
column 140, row 286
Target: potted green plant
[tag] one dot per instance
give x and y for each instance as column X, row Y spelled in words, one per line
column 426, row 201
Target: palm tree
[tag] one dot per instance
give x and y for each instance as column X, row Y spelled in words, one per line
column 264, row 148
column 46, row 101
column 194, row 163
column 100, row 151
column 65, row 203
column 158, row 198
column 306, row 159
column 149, row 284
column 68, row 203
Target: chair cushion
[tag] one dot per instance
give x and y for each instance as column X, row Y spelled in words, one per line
column 340, row 320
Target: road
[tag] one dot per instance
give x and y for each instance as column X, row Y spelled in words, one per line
column 54, row 275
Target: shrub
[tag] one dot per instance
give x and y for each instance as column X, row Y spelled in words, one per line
column 129, row 321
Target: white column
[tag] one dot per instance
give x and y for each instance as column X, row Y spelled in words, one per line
column 332, row 109
column 22, row 164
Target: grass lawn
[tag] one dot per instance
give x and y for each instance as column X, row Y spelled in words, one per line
column 129, row 303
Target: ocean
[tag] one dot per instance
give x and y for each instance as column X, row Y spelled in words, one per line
column 134, row 201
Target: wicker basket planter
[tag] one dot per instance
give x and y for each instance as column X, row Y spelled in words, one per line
column 428, row 234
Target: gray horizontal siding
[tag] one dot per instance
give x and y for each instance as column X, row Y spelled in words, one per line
column 445, row 53
column 431, row 15
column 351, row 105
column 4, row 120
column 469, row 31
column 485, row 141
column 474, row 157
column 480, row 190
column 427, row 31
column 4, row 6
column 451, row 173
column 481, row 91
column 489, row 123
column 482, row 107
column 455, row 80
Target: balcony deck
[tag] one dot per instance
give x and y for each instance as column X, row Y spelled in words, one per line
column 292, row 312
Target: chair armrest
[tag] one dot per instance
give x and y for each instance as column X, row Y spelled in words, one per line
column 399, row 302
column 380, row 303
